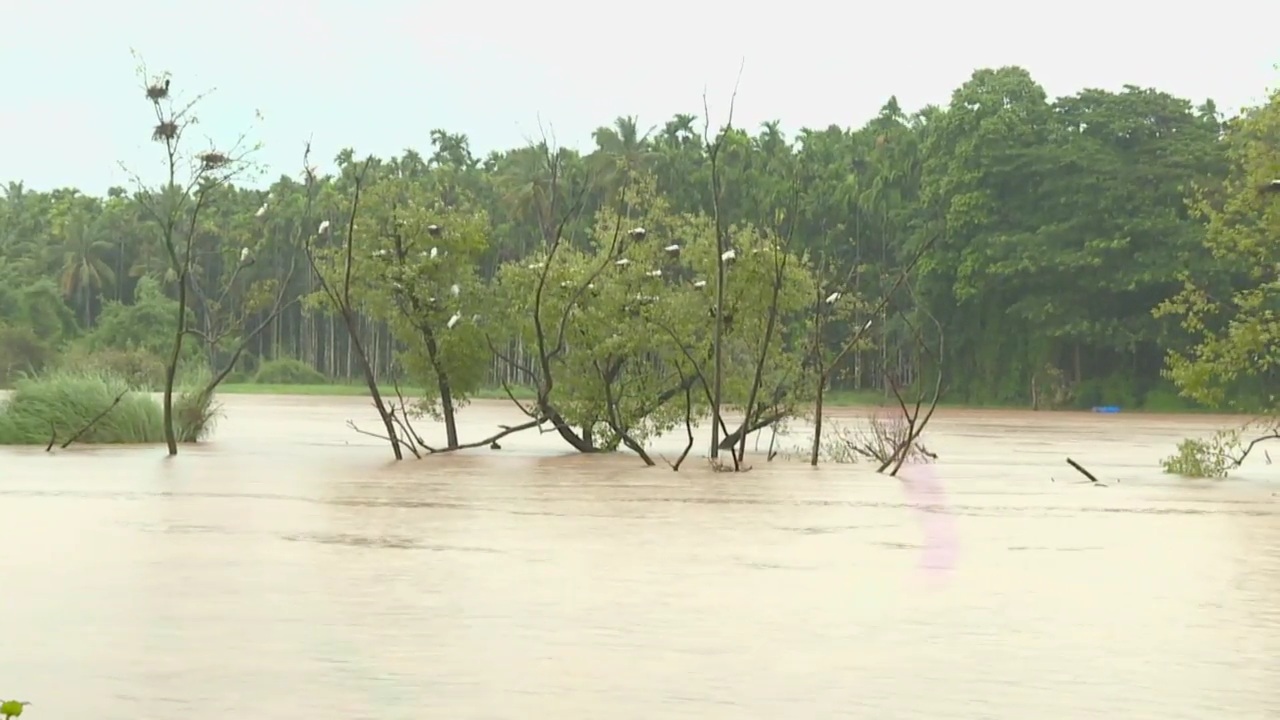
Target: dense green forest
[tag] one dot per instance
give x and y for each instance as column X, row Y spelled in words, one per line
column 1047, row 233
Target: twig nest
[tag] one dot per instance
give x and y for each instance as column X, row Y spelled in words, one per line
column 166, row 130
column 213, row 159
column 158, row 90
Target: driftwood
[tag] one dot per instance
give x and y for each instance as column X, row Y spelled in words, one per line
column 1080, row 468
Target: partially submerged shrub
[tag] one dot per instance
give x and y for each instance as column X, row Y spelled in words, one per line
column 1198, row 459
column 21, row 353
column 63, row 403
column 1217, row 456
column 881, row 438
column 195, row 414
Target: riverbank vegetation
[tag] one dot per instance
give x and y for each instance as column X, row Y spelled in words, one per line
column 1006, row 249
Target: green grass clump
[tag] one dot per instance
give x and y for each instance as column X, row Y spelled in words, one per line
column 61, row 403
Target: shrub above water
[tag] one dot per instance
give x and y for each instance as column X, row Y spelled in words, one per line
column 63, row 403
column 287, row 371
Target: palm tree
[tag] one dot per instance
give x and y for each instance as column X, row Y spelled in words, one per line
column 85, row 272
column 621, row 150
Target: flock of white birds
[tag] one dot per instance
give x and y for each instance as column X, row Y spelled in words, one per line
column 673, row 250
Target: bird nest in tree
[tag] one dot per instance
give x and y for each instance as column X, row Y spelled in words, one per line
column 165, row 131
column 213, row 159
column 158, row 90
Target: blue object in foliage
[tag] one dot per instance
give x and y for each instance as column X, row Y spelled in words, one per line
column 1106, row 409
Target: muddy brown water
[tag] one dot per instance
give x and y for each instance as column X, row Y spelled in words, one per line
column 287, row 569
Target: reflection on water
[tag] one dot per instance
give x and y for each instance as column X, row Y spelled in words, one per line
column 288, row 570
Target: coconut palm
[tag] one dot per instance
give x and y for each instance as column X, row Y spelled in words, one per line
column 85, row 273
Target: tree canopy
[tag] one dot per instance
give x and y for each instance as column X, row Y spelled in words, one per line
column 1055, row 228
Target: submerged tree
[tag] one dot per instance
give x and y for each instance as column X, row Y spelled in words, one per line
column 193, row 179
column 416, row 267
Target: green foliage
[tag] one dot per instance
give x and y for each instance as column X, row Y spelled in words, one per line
column 195, row 415
column 61, row 403
column 1211, row 458
column 21, row 353
column 1230, row 307
column 287, row 371
column 146, row 324
column 139, row 368
column 1057, row 225
column 628, row 323
column 416, row 268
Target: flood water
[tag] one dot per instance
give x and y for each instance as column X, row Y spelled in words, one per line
column 288, row 569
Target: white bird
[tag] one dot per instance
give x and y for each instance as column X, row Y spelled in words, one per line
column 566, row 284
column 623, row 262
column 833, row 297
column 672, row 249
column 244, row 254
column 536, row 266
column 261, row 211
column 864, row 327
column 654, row 273
column 455, row 289
column 434, row 252
column 381, row 253
column 324, row 226
column 591, row 286
column 454, row 320
column 729, row 256
column 700, row 284
column 638, row 233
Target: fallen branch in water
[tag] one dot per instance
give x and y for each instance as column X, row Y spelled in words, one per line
column 396, row 442
column 1081, row 470
column 94, row 421
column 506, row 430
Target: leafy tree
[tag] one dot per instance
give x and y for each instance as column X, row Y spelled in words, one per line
column 1236, row 354
column 416, row 266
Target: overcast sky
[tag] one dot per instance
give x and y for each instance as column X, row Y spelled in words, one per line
column 378, row 75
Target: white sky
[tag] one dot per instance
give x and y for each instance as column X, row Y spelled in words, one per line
column 378, row 75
